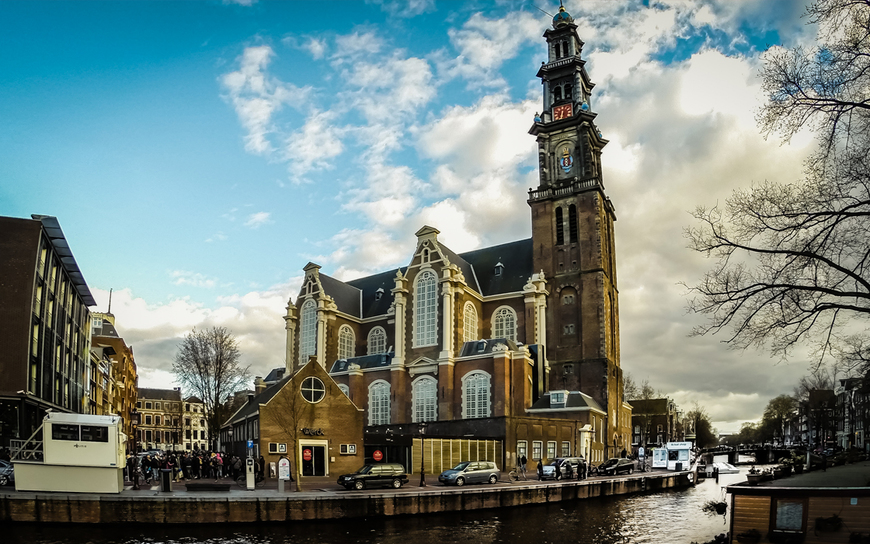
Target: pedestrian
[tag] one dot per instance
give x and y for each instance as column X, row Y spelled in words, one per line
column 261, row 464
column 237, row 467
column 133, row 470
column 540, row 470
column 569, row 470
column 623, row 453
column 523, row 461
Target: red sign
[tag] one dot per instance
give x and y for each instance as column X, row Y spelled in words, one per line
column 378, row 455
column 306, row 455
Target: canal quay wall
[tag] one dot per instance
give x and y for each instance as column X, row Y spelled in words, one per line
column 241, row 506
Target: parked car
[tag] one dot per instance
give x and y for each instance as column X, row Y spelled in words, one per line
column 383, row 474
column 7, row 473
column 470, row 472
column 616, row 465
column 558, row 469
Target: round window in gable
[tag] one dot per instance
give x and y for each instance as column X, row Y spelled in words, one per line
column 313, row 390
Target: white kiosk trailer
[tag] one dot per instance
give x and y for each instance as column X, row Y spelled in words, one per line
column 678, row 455
column 81, row 453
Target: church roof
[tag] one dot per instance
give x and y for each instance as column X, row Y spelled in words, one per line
column 371, row 303
column 364, row 361
column 575, row 401
column 346, row 296
column 516, row 258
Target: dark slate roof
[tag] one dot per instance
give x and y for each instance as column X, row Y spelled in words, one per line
column 369, row 287
column 346, row 296
column 107, row 329
column 481, row 347
column 576, row 399
column 366, row 361
column 159, row 394
column 650, row 406
column 276, row 374
column 252, row 407
column 193, row 399
column 467, row 270
column 518, row 266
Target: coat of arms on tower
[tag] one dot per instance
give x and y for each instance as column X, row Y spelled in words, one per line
column 566, row 162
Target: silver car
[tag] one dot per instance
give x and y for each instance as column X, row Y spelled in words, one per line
column 7, row 473
column 470, row 472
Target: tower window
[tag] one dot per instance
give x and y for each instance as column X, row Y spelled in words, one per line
column 572, row 222
column 558, row 50
column 568, row 329
column 568, row 92
column 560, row 228
column 557, row 94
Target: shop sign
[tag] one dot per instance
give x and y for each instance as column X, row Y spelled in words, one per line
column 306, row 454
column 378, row 455
column 312, row 432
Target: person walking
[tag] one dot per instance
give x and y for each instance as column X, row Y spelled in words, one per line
column 540, row 470
column 523, row 461
column 133, row 470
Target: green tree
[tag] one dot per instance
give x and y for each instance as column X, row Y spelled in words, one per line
column 792, row 259
column 780, row 411
column 207, row 365
column 705, row 433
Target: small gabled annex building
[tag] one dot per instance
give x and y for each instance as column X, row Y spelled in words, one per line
column 501, row 352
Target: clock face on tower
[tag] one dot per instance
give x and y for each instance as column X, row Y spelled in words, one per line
column 562, row 112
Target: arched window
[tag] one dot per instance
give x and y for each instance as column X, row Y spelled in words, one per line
column 379, row 403
column 469, row 323
column 157, row 420
column 572, row 222
column 557, row 94
column 475, row 395
column 377, row 342
column 346, row 341
column 504, row 324
column 344, row 389
column 425, row 399
column 560, row 227
column 569, row 92
column 558, row 50
column 426, row 301
column 307, row 331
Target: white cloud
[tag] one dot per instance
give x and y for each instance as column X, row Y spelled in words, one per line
column 316, row 47
column 258, row 219
column 256, row 97
column 314, row 146
column 194, row 279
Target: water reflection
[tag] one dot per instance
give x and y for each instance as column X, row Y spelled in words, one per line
column 668, row 516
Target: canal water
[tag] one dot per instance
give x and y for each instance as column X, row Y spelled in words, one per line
column 673, row 517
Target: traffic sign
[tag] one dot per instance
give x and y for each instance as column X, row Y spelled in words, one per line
column 250, row 443
column 378, row 455
column 306, row 454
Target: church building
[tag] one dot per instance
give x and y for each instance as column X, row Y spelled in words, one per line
column 498, row 353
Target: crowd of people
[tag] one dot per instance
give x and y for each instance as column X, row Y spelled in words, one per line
column 189, row 465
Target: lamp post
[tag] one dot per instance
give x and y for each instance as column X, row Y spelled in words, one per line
column 134, row 421
column 422, row 454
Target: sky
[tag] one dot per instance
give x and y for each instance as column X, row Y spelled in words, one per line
column 199, row 153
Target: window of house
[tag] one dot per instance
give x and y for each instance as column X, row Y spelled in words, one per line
column 195, row 434
column 557, row 398
column 475, row 395
column 157, row 420
column 522, row 449
column 312, row 389
column 156, row 405
column 424, row 393
column 147, row 420
column 187, row 421
column 469, row 330
column 307, row 331
column 202, row 423
column 566, row 449
column 377, row 342
column 504, row 324
column 187, row 407
column 551, row 449
column 537, row 449
column 379, row 403
column 147, row 405
column 789, row 515
column 346, row 341
column 426, row 301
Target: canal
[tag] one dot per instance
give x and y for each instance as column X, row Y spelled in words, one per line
column 673, row 517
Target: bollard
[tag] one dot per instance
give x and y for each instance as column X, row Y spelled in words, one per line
column 165, row 479
column 281, row 485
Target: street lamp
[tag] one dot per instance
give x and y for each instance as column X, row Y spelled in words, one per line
column 134, row 421
column 422, row 454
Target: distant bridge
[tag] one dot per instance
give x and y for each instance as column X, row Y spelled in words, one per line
column 763, row 455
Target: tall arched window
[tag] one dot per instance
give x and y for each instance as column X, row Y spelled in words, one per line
column 377, row 342
column 572, row 222
column 344, row 389
column 560, row 227
column 425, row 399
column 426, row 301
column 307, row 331
column 469, row 322
column 379, row 403
column 346, row 341
column 475, row 395
column 504, row 324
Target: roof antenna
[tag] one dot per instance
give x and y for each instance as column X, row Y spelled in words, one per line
column 110, row 302
column 546, row 13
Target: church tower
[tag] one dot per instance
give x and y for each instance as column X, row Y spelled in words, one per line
column 572, row 230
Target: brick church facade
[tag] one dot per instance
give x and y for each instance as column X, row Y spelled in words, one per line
column 500, row 352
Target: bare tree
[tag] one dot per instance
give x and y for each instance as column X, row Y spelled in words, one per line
column 207, row 364
column 629, row 388
column 792, row 259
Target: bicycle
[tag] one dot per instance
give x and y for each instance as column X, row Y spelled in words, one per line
column 517, row 473
column 242, row 481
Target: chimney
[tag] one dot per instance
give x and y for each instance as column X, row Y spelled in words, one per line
column 259, row 385
column 250, row 398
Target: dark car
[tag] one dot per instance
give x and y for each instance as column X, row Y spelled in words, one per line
column 615, row 465
column 7, row 473
column 381, row 474
column 470, row 472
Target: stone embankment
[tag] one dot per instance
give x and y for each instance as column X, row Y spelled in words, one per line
column 239, row 506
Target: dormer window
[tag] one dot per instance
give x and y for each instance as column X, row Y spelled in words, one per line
column 379, row 293
column 481, row 346
column 499, row 268
column 558, row 398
